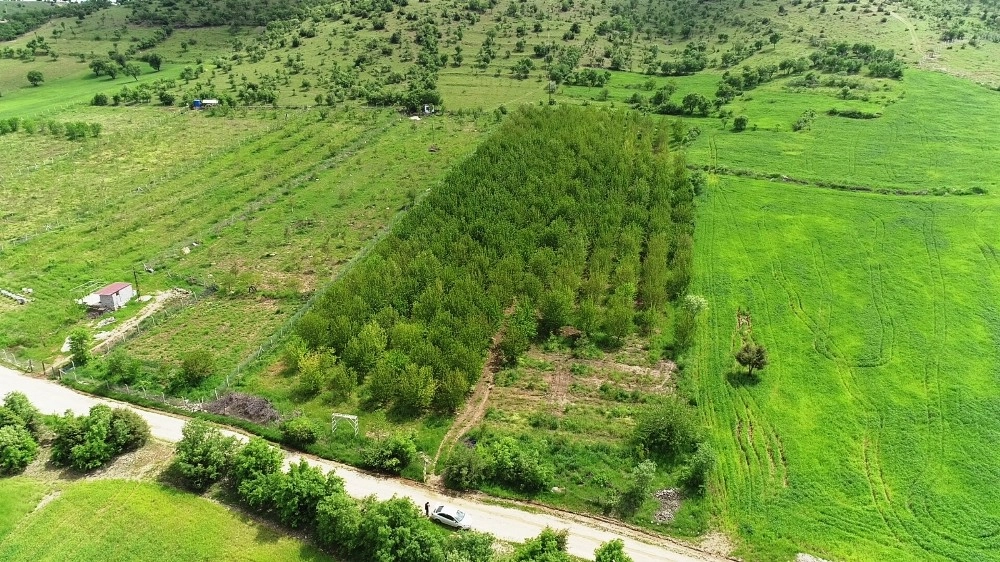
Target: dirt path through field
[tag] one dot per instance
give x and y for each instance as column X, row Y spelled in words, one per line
column 160, row 300
column 507, row 523
column 475, row 406
column 913, row 34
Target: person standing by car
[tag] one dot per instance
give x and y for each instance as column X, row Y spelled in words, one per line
column 427, row 509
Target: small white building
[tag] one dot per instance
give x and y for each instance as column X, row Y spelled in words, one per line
column 115, row 295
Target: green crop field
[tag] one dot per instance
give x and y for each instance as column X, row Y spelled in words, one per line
column 869, row 437
column 125, row 520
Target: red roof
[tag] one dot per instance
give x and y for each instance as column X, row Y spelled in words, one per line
column 112, row 289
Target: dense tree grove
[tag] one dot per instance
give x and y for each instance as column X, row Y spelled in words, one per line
column 582, row 214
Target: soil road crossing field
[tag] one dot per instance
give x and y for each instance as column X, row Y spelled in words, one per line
column 506, row 523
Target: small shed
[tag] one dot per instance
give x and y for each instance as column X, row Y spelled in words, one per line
column 115, row 295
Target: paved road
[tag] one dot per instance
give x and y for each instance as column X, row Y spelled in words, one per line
column 506, row 523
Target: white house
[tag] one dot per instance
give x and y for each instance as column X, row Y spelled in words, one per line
column 115, row 295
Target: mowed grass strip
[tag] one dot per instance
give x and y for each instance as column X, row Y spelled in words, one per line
column 871, row 435
column 124, row 520
column 18, row 496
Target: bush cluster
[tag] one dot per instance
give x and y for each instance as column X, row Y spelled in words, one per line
column 88, row 442
column 20, row 424
column 502, row 461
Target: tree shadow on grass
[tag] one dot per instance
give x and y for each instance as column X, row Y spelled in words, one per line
column 740, row 378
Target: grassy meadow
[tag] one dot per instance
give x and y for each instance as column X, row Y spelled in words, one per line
column 128, row 520
column 869, row 435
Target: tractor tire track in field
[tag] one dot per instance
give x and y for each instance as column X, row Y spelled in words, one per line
column 760, row 435
column 939, row 336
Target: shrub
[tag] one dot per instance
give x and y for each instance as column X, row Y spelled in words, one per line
column 99, row 99
column 338, row 519
column 612, row 551
column 396, row 530
column 298, row 432
column 79, row 340
column 254, row 460
column 122, row 368
column 740, row 123
column 196, row 366
column 88, row 442
column 699, row 467
column 471, row 547
column 10, row 419
column 548, row 546
column 128, row 431
column 391, row 455
column 510, row 464
column 293, row 497
column 640, row 486
column 464, row 469
column 667, row 429
column 17, row 449
column 203, row 454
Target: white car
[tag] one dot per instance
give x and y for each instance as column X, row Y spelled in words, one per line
column 451, row 517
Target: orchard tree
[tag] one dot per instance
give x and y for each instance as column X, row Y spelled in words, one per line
column 35, row 77
column 753, row 356
column 133, row 70
column 155, row 61
column 774, row 38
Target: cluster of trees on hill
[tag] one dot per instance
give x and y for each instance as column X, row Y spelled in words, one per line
column 18, row 22
column 581, row 217
column 844, row 57
column 306, row 499
column 204, row 13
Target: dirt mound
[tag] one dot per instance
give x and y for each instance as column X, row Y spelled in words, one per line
column 244, row 406
column 670, row 503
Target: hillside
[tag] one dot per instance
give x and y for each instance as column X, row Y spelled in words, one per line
column 575, row 211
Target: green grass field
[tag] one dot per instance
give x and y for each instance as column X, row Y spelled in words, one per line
column 869, row 437
column 125, row 520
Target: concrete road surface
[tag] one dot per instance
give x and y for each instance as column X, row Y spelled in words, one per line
column 585, row 534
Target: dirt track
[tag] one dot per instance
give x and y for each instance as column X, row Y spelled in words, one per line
column 507, row 523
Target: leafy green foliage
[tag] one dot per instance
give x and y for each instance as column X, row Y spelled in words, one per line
column 19, row 405
column 464, row 469
column 548, row 546
column 17, row 449
column 391, row 454
column 515, row 465
column 752, row 356
column 298, row 431
column 293, row 496
column 203, row 454
column 79, row 346
column 88, row 442
column 668, row 429
column 196, row 366
column 612, row 551
column 638, row 490
column 255, row 460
